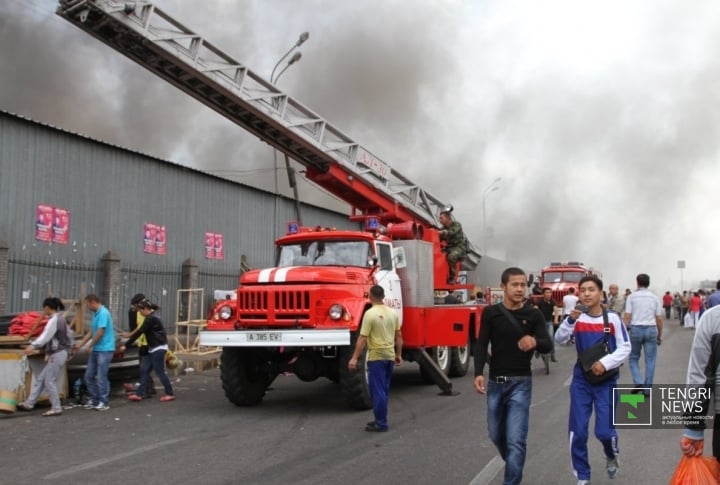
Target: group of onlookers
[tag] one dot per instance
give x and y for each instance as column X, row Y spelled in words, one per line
column 56, row 341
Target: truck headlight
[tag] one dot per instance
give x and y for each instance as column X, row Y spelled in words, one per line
column 225, row 312
column 336, row 312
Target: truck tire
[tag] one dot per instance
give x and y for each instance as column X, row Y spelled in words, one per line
column 441, row 356
column 244, row 378
column 459, row 360
column 354, row 385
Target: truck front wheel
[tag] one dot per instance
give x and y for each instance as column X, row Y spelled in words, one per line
column 354, row 385
column 244, row 375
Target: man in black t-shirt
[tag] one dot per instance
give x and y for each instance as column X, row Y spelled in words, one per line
column 547, row 308
column 514, row 330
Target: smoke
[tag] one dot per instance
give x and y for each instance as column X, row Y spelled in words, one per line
column 600, row 119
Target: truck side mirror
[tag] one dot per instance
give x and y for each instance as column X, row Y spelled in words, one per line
column 399, row 258
column 531, row 278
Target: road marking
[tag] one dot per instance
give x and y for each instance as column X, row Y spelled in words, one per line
column 121, row 456
column 488, row 473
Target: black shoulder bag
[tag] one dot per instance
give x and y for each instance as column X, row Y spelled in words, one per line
column 513, row 320
column 589, row 356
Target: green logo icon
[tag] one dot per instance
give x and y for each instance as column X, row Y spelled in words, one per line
column 633, row 400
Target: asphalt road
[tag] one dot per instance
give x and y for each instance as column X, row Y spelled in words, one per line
column 304, row 434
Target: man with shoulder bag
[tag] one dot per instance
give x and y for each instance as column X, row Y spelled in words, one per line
column 602, row 344
column 515, row 331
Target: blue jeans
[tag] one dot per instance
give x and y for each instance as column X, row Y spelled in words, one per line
column 96, row 376
column 379, row 376
column 508, row 413
column 154, row 361
column 643, row 338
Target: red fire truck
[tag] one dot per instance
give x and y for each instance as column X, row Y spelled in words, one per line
column 560, row 277
column 303, row 314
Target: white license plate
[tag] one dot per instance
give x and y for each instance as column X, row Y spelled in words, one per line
column 264, row 336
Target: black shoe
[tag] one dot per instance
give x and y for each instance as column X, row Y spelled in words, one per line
column 637, row 390
column 371, row 423
column 552, row 358
column 375, row 428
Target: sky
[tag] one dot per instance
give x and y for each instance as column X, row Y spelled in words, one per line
column 599, row 118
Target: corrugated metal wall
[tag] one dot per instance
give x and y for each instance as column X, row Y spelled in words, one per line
column 111, row 193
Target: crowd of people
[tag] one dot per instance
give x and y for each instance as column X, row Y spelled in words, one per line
column 606, row 328
column 100, row 343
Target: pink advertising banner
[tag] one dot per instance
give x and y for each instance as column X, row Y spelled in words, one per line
column 61, row 225
column 214, row 246
column 52, row 224
column 149, row 231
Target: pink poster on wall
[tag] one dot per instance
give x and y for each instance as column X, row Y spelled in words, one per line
column 43, row 222
column 219, row 249
column 149, row 233
column 160, row 240
column 60, row 225
column 210, row 245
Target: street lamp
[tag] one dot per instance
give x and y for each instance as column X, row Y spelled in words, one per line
column 490, row 188
column 303, row 37
column 274, row 79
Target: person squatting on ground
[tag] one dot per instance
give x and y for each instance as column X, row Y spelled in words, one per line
column 588, row 329
column 704, row 355
column 154, row 331
column 380, row 330
column 135, row 319
column 102, row 348
column 514, row 331
column 57, row 340
column 452, row 234
column 643, row 315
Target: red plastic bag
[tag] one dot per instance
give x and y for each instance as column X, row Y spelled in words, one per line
column 696, row 470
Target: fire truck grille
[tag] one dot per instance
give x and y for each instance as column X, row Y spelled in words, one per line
column 280, row 305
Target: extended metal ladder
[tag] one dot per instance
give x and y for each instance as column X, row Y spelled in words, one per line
column 153, row 39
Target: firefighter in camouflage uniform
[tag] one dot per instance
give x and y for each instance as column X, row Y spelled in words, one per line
column 453, row 235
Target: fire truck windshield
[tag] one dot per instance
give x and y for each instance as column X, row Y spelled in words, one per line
column 558, row 276
column 325, row 253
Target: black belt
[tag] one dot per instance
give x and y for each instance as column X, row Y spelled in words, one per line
column 506, row 379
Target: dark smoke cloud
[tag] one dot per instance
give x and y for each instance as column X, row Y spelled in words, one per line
column 602, row 120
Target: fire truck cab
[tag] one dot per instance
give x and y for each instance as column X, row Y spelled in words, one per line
column 561, row 276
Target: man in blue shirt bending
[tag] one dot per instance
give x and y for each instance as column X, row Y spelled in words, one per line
column 102, row 348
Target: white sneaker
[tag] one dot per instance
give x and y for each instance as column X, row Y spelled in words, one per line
column 612, row 467
column 583, row 482
column 101, row 407
column 89, row 405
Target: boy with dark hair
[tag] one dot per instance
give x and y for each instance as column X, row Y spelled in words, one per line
column 588, row 327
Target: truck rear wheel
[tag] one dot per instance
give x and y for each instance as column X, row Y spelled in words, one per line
column 441, row 356
column 244, row 376
column 354, row 385
column 459, row 360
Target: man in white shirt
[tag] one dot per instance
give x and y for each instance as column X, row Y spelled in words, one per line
column 569, row 302
column 643, row 315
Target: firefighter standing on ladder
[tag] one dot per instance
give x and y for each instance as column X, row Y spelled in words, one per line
column 453, row 235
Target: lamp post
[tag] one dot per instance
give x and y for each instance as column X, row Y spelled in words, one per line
column 490, row 188
column 274, row 79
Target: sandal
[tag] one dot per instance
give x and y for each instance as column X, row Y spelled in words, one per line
column 21, row 406
column 52, row 412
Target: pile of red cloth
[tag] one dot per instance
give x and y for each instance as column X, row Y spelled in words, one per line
column 23, row 323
